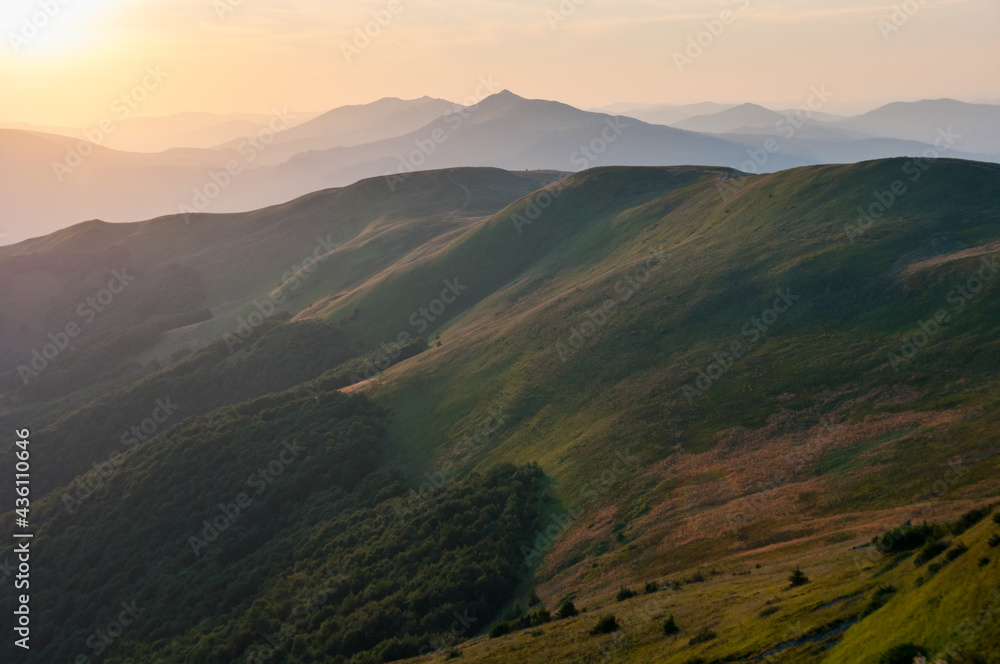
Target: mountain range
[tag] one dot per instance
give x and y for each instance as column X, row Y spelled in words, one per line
column 51, row 181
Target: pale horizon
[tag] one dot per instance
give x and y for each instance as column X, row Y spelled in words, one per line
column 845, row 108
column 235, row 56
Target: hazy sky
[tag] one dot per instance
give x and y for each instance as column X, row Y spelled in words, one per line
column 254, row 55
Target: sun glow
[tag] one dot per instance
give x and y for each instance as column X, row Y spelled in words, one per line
column 46, row 28
column 230, row 56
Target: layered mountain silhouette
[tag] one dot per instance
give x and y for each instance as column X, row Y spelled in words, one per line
column 53, row 181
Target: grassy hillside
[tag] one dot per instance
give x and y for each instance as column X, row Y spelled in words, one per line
column 726, row 260
column 190, row 281
column 746, row 610
column 721, row 378
column 823, row 416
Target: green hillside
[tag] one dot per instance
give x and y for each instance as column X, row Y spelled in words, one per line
column 812, row 423
column 683, row 382
column 216, row 270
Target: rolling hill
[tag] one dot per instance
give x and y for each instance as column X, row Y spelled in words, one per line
column 731, row 119
column 347, row 126
column 324, row 242
column 666, row 114
column 51, row 182
column 688, row 380
column 975, row 125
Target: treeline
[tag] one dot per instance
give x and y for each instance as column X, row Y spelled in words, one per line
column 375, row 587
column 226, row 530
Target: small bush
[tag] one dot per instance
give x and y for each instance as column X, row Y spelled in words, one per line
column 930, row 551
column 625, row 593
column 770, row 610
column 996, row 518
column 652, row 587
column 500, row 629
column 695, row 660
column 567, row 610
column 955, row 551
column 703, row 636
column 983, row 561
column 607, row 624
column 539, row 617
column 878, row 600
column 995, row 540
column 697, row 577
column 903, row 654
column 798, row 578
column 967, row 520
column 670, row 627
column 906, row 538
column 454, row 653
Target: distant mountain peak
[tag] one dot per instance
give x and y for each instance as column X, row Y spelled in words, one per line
column 504, row 97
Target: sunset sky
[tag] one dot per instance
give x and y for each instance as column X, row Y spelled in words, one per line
column 254, row 55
